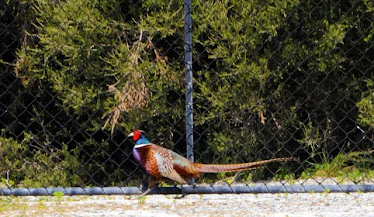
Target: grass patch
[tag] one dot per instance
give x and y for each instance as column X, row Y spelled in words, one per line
column 58, row 195
column 12, row 204
column 142, row 199
column 289, row 177
column 354, row 166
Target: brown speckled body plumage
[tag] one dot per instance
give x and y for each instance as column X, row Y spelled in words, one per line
column 164, row 163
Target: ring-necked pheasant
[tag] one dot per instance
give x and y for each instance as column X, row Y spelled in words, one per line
column 161, row 163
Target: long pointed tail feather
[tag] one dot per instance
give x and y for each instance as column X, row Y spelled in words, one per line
column 217, row 168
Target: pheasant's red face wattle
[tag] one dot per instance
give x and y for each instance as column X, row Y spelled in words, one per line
column 137, row 134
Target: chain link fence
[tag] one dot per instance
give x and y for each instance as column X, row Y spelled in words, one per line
column 271, row 79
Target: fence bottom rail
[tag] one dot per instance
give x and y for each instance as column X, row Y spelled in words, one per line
column 234, row 189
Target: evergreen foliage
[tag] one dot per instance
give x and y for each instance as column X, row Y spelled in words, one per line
column 271, row 78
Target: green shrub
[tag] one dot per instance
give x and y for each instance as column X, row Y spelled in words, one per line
column 25, row 165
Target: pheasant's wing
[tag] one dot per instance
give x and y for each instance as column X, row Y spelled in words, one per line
column 173, row 166
column 185, row 168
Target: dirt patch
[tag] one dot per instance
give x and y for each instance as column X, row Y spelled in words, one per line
column 312, row 204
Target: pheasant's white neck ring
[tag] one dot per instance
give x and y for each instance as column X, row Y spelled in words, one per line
column 141, row 145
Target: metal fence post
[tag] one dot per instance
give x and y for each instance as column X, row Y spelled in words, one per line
column 188, row 65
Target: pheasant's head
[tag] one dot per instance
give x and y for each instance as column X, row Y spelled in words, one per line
column 139, row 137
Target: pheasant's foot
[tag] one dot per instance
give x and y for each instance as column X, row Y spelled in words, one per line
column 180, row 197
column 152, row 183
column 183, row 193
column 146, row 192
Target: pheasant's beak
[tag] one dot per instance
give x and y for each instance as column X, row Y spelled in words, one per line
column 131, row 135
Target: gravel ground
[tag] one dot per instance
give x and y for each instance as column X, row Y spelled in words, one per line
column 307, row 204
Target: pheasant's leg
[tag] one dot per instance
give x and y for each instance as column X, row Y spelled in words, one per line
column 183, row 193
column 152, row 182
